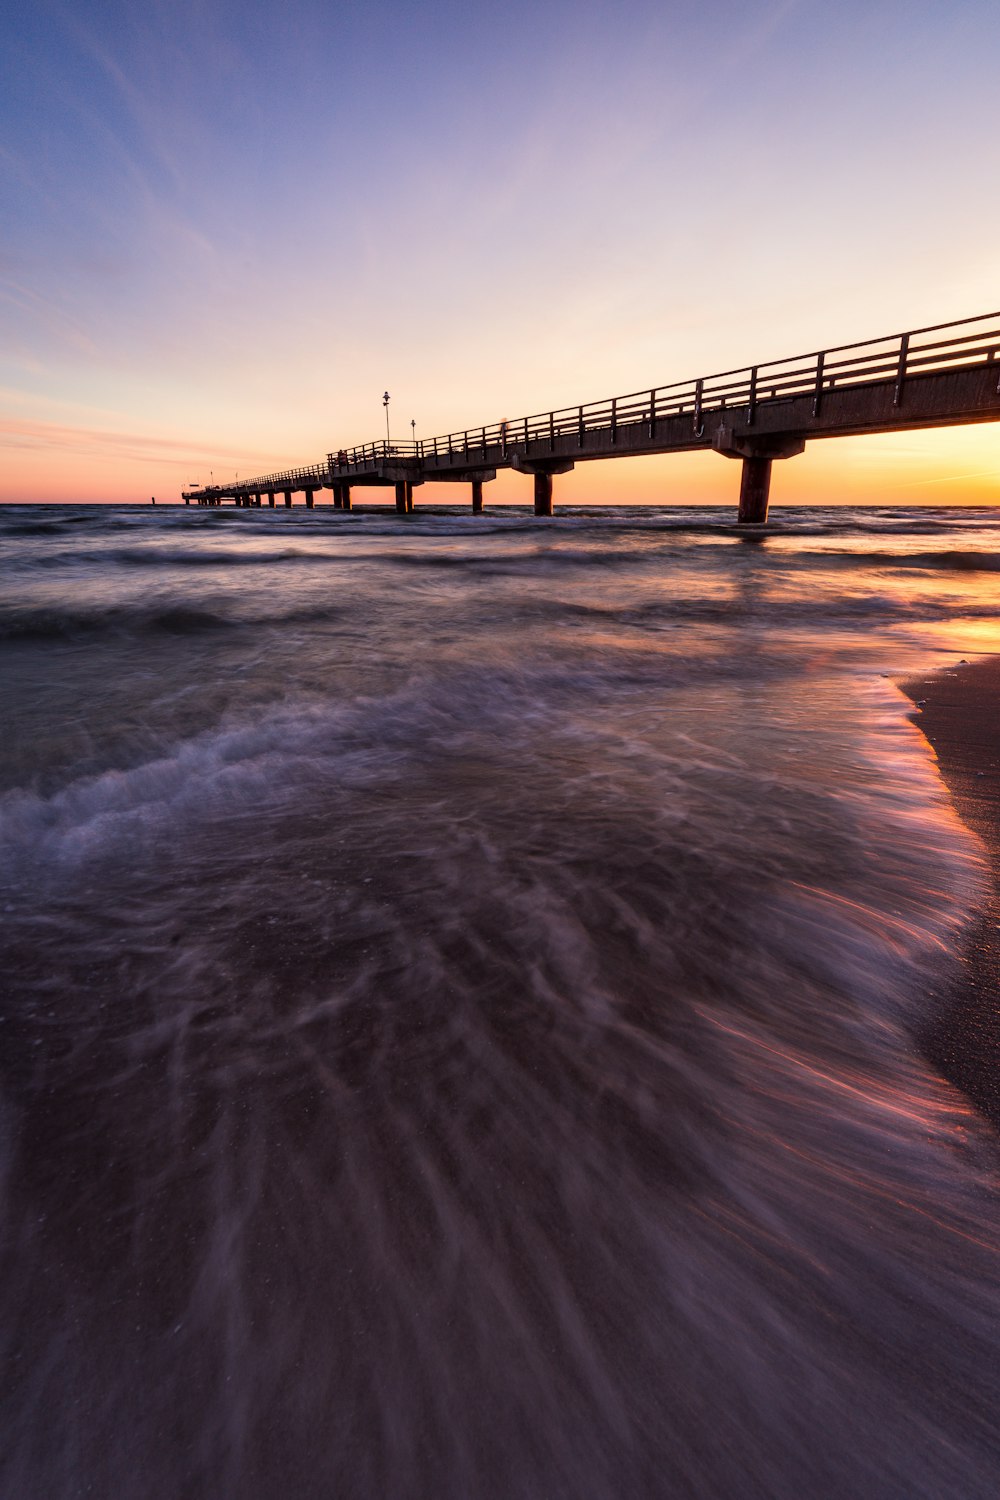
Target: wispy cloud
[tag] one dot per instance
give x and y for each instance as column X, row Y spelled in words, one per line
column 106, row 443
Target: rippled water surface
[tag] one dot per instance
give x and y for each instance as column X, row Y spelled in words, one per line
column 461, row 987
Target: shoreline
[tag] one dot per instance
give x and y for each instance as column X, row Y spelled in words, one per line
column 958, row 712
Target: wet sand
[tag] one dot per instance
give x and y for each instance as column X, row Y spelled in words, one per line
column 959, row 712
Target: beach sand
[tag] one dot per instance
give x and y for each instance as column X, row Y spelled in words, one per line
column 959, row 712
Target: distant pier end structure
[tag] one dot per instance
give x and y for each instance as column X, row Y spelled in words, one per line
column 941, row 376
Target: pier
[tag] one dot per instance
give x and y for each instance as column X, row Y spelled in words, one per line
column 942, row 376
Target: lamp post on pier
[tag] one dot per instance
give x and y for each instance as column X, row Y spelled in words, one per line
column 413, row 429
column 385, row 403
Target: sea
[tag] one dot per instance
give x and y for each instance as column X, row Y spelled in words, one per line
column 463, row 988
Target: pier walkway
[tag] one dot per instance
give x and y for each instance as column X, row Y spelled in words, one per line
column 941, row 376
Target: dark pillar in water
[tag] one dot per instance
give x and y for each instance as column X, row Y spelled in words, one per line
column 270, row 498
column 409, row 498
column 309, row 499
column 401, row 498
column 336, row 495
column 477, row 497
column 543, row 494
column 288, row 498
column 754, row 486
column 345, row 497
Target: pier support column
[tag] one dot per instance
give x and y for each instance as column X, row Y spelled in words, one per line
column 757, row 455
column 477, row 497
column 345, row 497
column 270, row 498
column 755, row 484
column 542, row 473
column 288, row 498
column 310, row 497
column 336, row 496
column 401, row 497
column 409, row 498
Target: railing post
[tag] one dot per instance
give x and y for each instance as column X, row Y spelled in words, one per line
column 904, row 346
column 698, row 425
column 614, row 419
column 466, row 445
column 652, row 414
column 818, row 391
column 525, row 434
column 552, row 432
column 484, row 445
column 581, row 427
column 752, row 402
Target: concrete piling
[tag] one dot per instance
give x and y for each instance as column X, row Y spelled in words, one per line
column 477, row 497
column 755, row 484
column 543, row 494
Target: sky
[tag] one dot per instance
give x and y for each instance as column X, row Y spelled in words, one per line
column 226, row 228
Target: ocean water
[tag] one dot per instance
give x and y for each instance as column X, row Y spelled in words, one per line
column 462, row 989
